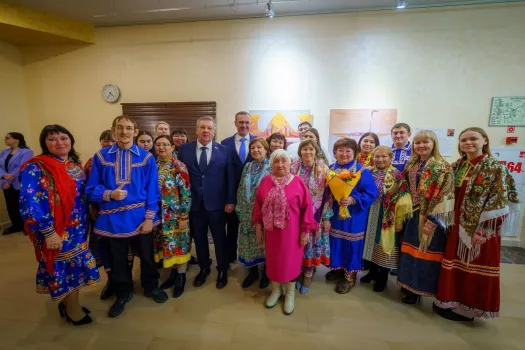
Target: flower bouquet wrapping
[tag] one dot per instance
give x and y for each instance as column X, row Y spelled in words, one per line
column 341, row 185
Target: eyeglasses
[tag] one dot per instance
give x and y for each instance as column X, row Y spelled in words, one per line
column 163, row 145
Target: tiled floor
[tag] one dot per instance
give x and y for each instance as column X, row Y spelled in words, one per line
column 513, row 255
column 234, row 319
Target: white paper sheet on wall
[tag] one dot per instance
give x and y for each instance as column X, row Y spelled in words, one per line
column 446, row 139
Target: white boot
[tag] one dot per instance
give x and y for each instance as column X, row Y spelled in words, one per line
column 289, row 298
column 274, row 297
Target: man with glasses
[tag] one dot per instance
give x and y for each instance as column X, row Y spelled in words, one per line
column 294, row 147
column 123, row 182
column 238, row 145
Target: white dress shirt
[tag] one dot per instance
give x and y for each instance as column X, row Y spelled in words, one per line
column 238, row 143
column 208, row 151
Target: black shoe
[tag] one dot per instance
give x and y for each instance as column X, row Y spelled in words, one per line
column 83, row 321
column 411, row 298
column 381, row 280
column 193, row 261
column 170, row 281
column 158, row 295
column 370, row 276
column 8, row 231
column 233, row 259
column 335, row 275
column 62, row 309
column 451, row 315
column 264, row 282
column 107, row 291
column 222, row 279
column 404, row 291
column 180, row 283
column 253, row 275
column 200, row 279
column 119, row 305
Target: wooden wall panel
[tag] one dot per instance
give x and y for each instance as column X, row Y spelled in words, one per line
column 176, row 114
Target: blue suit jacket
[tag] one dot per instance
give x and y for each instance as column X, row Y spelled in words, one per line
column 18, row 159
column 238, row 166
column 215, row 186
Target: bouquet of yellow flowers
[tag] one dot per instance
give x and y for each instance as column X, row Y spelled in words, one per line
column 341, row 185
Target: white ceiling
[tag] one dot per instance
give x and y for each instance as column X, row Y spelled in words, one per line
column 128, row 12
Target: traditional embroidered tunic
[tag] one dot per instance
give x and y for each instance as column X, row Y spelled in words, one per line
column 470, row 277
column 381, row 238
column 250, row 252
column 317, row 250
column 401, row 156
column 136, row 169
column 347, row 235
column 173, row 236
column 431, row 188
column 74, row 266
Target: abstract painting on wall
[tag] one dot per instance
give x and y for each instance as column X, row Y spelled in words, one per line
column 354, row 123
column 267, row 122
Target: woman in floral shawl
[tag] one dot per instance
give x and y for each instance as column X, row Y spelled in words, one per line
column 313, row 171
column 385, row 219
column 431, row 182
column 469, row 282
column 251, row 253
column 175, row 242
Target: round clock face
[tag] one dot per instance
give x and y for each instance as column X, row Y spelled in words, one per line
column 111, row 93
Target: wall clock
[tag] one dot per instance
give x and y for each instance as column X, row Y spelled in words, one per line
column 111, row 93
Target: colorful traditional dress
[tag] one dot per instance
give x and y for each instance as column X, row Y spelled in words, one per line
column 174, row 232
column 317, row 250
column 386, row 217
column 283, row 248
column 470, row 274
column 401, row 156
column 347, row 235
column 432, row 189
column 250, row 252
column 52, row 201
column 365, row 160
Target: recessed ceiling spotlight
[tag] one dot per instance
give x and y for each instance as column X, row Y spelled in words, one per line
column 270, row 13
column 401, row 4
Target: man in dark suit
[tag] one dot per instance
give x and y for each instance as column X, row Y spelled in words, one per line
column 238, row 145
column 212, row 194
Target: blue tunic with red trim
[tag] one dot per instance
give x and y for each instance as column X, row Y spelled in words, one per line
column 137, row 170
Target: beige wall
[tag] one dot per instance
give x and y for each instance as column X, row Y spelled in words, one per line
column 438, row 68
column 13, row 110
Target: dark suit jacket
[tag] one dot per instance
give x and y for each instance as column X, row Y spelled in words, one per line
column 237, row 164
column 215, row 186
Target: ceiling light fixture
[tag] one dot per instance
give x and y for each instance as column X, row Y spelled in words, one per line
column 270, row 13
column 401, row 4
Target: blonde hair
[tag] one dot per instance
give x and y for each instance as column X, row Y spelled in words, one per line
column 386, row 149
column 483, row 133
column 157, row 125
column 426, row 135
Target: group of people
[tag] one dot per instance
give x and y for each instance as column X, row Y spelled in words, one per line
column 280, row 212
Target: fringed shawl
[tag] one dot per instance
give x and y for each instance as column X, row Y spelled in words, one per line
column 490, row 199
column 434, row 194
column 397, row 206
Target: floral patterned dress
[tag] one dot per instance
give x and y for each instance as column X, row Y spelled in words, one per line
column 74, row 266
column 173, row 242
column 317, row 250
column 250, row 252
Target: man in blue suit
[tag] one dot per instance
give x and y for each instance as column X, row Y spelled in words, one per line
column 238, row 145
column 212, row 194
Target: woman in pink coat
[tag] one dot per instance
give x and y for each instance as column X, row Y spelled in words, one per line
column 283, row 216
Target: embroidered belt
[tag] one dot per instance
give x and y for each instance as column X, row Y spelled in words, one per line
column 124, row 208
column 72, row 253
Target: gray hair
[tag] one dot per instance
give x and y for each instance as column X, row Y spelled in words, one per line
column 206, row 118
column 280, row 153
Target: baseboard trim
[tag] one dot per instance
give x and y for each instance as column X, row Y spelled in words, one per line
column 511, row 242
column 5, row 225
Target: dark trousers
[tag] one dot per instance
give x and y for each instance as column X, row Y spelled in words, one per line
column 200, row 220
column 121, row 279
column 11, row 199
column 232, row 233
